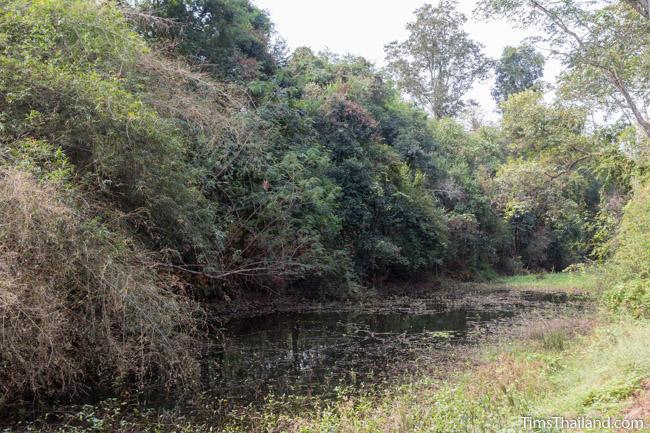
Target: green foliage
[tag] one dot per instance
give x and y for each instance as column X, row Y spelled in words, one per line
column 208, row 187
column 39, row 158
column 466, row 161
column 553, row 133
column 67, row 78
column 619, row 57
column 329, row 179
column 438, row 63
column 562, row 189
column 228, row 38
column 604, row 47
column 518, row 69
column 629, row 268
column 630, row 298
column 410, row 200
column 387, row 220
column 545, row 215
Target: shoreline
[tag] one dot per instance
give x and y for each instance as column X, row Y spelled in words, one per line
column 394, row 294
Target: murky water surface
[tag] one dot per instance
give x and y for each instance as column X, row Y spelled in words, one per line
column 317, row 350
column 314, row 352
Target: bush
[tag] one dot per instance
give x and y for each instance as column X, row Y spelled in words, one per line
column 631, row 297
column 70, row 74
column 184, row 157
column 80, row 304
column 629, row 268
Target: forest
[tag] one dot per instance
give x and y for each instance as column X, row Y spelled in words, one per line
column 161, row 160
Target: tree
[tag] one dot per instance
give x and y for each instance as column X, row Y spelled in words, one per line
column 518, row 69
column 559, row 190
column 439, row 62
column 553, row 133
column 546, row 215
column 606, row 50
column 229, row 38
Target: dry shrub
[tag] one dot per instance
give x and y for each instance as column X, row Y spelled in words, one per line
column 555, row 333
column 216, row 109
column 80, row 304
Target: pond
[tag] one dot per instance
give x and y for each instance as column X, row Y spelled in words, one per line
column 319, row 349
column 314, row 351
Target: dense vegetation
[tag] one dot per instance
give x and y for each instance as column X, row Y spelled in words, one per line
column 159, row 153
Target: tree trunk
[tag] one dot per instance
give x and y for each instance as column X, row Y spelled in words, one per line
column 642, row 121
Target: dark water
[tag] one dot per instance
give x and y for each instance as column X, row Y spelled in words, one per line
column 315, row 352
column 319, row 349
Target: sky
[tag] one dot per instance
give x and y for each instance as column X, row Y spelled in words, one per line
column 363, row 27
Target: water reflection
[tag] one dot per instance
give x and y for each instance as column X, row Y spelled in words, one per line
column 315, row 352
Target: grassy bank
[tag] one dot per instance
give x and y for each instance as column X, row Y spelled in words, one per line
column 562, row 281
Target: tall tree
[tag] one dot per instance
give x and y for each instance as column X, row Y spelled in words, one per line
column 438, row 63
column 606, row 49
column 519, row 69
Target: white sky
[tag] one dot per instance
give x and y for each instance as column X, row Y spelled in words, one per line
column 363, row 27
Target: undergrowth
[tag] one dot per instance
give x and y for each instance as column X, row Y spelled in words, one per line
column 628, row 279
column 80, row 304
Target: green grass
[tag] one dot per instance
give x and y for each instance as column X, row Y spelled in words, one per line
column 561, row 281
column 602, row 372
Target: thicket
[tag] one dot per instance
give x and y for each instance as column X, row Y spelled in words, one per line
column 79, row 303
column 486, row 198
column 628, row 271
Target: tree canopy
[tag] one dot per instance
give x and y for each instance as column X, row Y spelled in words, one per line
column 603, row 46
column 518, row 69
column 438, row 63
